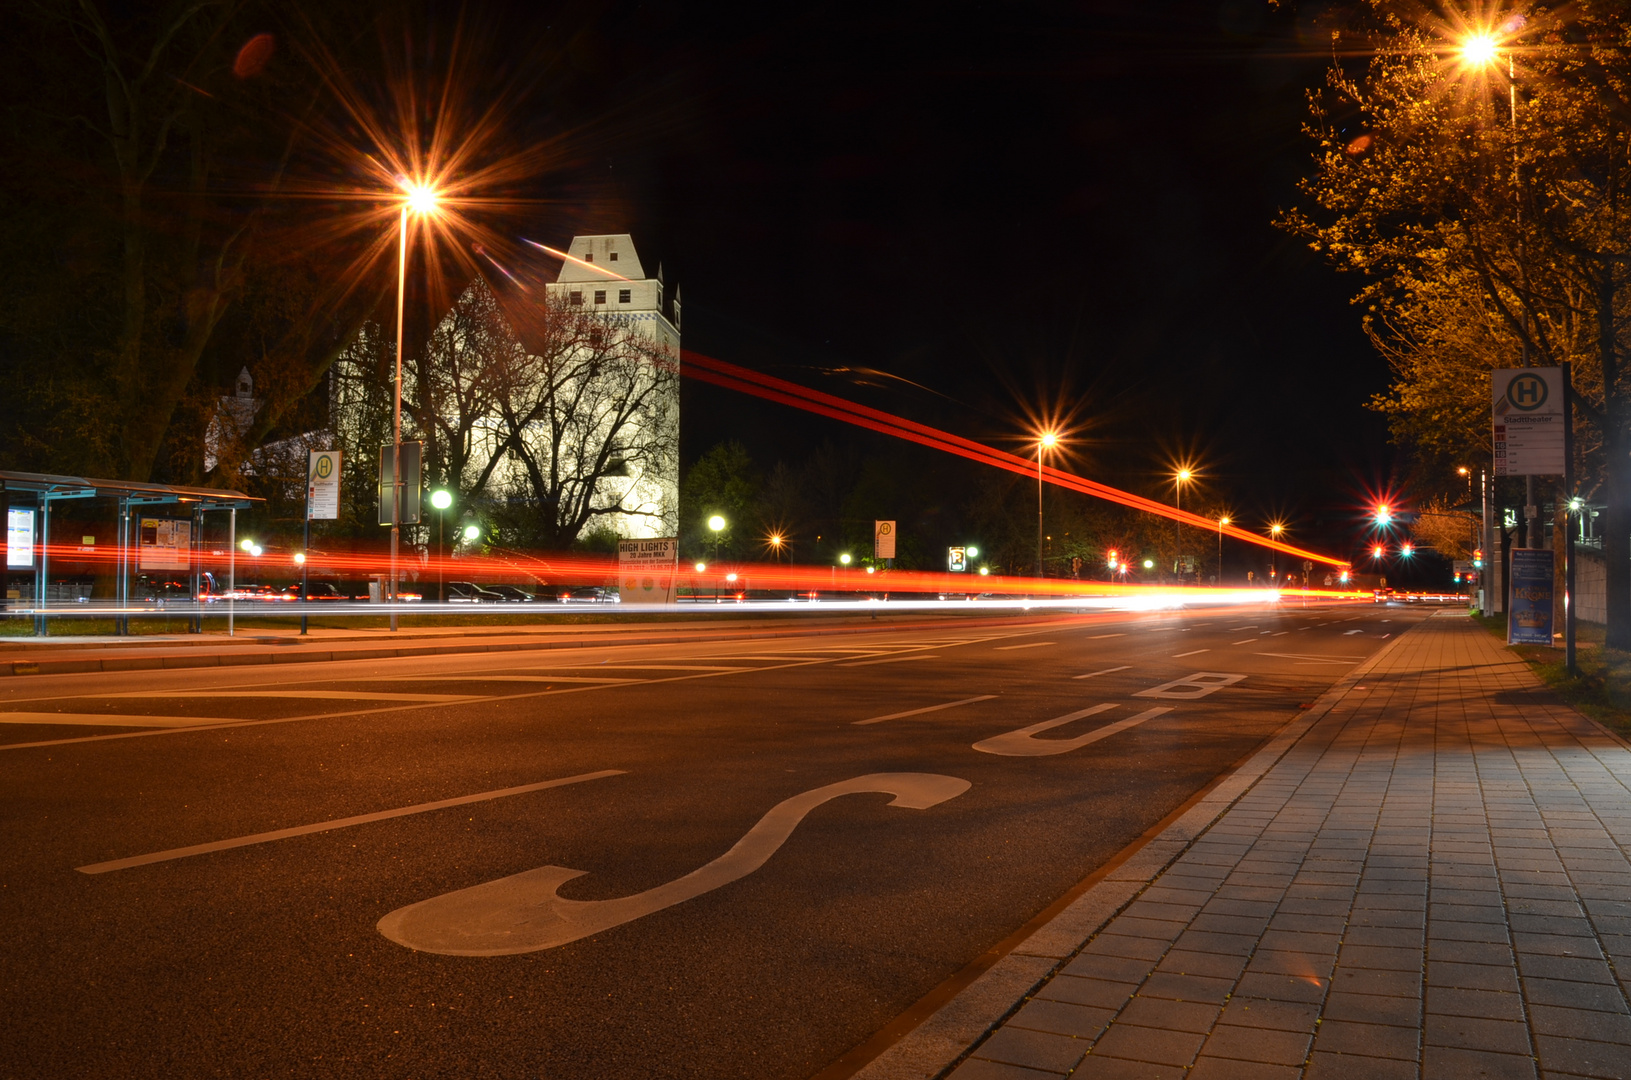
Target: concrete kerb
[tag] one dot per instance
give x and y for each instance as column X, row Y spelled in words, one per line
column 955, row 1030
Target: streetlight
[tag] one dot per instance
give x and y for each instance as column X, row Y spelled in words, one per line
column 419, row 200
column 1046, row 441
column 441, row 499
column 716, row 525
column 1222, row 521
column 472, row 531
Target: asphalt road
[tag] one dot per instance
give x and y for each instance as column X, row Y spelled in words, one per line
column 832, row 916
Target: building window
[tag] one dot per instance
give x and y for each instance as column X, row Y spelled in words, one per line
column 589, row 256
column 613, row 256
column 577, row 299
column 623, row 295
column 600, row 296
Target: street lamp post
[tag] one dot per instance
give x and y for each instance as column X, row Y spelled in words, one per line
column 1222, row 521
column 1275, row 530
column 1179, row 479
column 1045, row 442
column 419, row 199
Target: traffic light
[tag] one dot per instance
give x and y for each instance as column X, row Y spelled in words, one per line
column 1384, row 514
column 1115, row 558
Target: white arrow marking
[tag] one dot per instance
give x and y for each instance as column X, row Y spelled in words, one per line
column 522, row 913
column 1022, row 743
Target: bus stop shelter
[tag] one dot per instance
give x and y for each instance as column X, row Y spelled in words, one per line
column 27, row 499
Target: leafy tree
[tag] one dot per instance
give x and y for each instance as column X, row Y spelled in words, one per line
column 1491, row 227
column 725, row 482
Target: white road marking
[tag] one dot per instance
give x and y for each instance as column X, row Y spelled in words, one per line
column 503, row 678
column 523, row 913
column 1253, row 626
column 1243, row 641
column 1101, row 637
column 110, row 720
column 1350, row 633
column 926, row 708
column 1021, row 743
column 351, row 695
column 1313, row 658
column 337, row 823
column 1197, row 686
column 1192, row 652
column 1027, row 645
column 1106, row 671
column 1282, row 633
column 890, row 660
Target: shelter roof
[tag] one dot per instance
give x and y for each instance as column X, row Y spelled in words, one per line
column 63, row 487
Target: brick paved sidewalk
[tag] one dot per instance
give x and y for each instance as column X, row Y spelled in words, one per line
column 1433, row 881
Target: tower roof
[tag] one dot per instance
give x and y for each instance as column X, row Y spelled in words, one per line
column 602, row 258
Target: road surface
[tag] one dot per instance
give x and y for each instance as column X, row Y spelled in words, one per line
column 720, row 860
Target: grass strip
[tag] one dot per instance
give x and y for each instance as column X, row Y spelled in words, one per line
column 1601, row 688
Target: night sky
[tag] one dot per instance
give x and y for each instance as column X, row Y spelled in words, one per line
column 1014, row 206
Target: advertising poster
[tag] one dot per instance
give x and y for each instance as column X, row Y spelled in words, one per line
column 20, row 538
column 646, row 570
column 1529, row 615
column 166, row 544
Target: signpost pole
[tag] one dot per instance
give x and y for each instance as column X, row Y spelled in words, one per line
column 232, row 566
column 305, row 557
column 5, row 515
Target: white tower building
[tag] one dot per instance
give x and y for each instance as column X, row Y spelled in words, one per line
column 604, row 274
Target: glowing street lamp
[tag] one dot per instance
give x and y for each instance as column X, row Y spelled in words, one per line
column 1047, row 440
column 1480, row 49
column 472, row 532
column 844, row 558
column 1223, row 520
column 1275, row 529
column 419, row 200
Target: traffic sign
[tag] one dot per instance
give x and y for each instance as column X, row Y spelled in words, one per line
column 883, row 539
column 323, row 485
column 1527, row 405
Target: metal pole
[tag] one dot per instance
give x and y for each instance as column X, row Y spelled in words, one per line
column 305, row 557
column 396, row 413
column 441, row 554
column 1568, row 497
column 1484, row 538
column 1220, row 552
column 1039, row 510
column 232, row 567
column 42, row 582
column 1178, row 528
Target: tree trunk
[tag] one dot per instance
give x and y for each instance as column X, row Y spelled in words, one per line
column 1617, row 474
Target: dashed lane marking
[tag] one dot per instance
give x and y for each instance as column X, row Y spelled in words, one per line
column 110, row 720
column 1027, row 645
column 337, row 823
column 926, row 709
column 890, row 660
column 1106, row 671
column 1101, row 637
column 1192, row 652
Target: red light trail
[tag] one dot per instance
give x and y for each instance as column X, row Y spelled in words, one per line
column 732, row 377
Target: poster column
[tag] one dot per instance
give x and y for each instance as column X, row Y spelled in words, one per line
column 1529, row 620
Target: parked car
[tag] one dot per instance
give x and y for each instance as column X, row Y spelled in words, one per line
column 468, row 592
column 590, row 594
column 316, row 590
column 510, row 594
